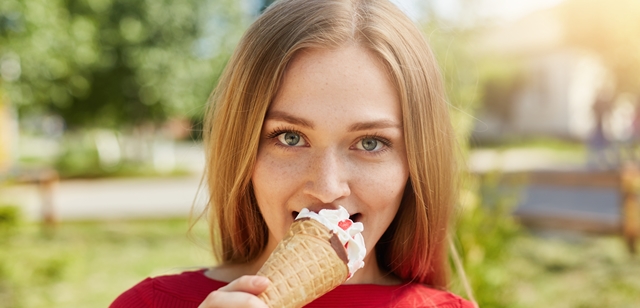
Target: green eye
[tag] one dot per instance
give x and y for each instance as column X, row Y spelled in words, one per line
column 291, row 139
column 369, row 144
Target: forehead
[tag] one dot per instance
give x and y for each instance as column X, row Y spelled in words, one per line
column 345, row 79
column 351, row 60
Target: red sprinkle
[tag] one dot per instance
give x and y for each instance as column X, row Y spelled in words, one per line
column 345, row 224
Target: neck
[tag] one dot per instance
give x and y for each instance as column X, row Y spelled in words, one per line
column 232, row 271
column 372, row 274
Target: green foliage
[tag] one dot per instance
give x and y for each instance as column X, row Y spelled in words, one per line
column 111, row 62
column 89, row 264
column 569, row 270
column 486, row 231
column 79, row 158
column 9, row 219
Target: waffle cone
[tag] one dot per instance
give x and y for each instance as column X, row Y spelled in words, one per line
column 304, row 266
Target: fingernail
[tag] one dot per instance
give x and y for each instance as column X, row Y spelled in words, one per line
column 260, row 281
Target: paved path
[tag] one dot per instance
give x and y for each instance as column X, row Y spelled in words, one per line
column 514, row 160
column 113, row 198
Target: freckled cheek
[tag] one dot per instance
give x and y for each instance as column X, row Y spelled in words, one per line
column 275, row 178
column 274, row 183
column 380, row 188
column 381, row 185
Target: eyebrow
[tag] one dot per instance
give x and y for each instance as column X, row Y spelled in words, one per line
column 373, row 125
column 359, row 126
column 286, row 117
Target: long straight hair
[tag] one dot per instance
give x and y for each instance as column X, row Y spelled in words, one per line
column 414, row 246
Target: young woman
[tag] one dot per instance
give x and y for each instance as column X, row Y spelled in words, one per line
column 326, row 103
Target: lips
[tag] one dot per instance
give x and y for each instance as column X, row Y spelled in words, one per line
column 355, row 217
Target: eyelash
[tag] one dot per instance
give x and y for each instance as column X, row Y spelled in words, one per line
column 281, row 130
column 377, row 137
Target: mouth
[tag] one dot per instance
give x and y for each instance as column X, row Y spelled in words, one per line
column 355, row 217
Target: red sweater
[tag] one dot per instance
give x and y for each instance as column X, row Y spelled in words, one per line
column 189, row 289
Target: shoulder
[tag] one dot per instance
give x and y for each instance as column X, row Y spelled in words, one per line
column 179, row 290
column 408, row 295
column 418, row 295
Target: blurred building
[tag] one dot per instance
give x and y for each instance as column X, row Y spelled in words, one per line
column 556, row 84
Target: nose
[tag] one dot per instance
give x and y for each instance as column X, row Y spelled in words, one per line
column 327, row 179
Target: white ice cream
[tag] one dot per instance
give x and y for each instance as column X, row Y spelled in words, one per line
column 349, row 234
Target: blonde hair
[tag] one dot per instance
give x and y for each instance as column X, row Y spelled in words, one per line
column 414, row 246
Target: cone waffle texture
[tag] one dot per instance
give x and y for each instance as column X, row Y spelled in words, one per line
column 303, row 267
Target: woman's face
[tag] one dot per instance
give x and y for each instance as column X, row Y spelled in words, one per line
column 332, row 136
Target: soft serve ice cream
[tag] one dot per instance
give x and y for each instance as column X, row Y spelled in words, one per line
column 348, row 232
column 319, row 252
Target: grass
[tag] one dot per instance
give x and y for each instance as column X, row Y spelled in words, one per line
column 88, row 264
column 575, row 272
column 557, row 272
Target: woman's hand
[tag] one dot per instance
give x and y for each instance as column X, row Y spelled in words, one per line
column 241, row 292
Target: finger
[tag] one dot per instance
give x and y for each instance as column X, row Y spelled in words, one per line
column 239, row 299
column 249, row 284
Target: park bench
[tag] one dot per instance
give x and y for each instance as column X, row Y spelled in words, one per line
column 45, row 179
column 624, row 184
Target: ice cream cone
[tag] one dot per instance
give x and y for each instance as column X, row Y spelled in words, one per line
column 309, row 262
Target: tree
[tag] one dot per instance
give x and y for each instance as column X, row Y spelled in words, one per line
column 113, row 62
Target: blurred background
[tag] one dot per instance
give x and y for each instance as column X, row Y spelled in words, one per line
column 101, row 105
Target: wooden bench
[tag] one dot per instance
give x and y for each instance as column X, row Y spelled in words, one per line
column 625, row 182
column 46, row 180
